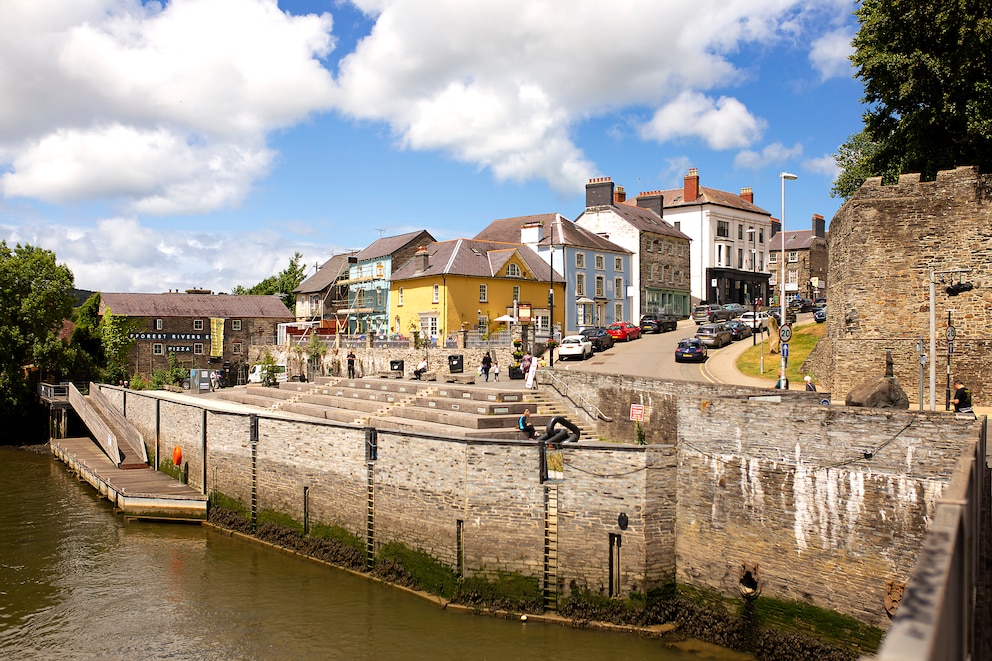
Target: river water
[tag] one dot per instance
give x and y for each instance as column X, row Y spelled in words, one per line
column 78, row 582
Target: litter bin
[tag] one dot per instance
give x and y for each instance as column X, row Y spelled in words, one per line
column 396, row 366
column 456, row 364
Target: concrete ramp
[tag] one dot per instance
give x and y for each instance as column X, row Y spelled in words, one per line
column 118, row 438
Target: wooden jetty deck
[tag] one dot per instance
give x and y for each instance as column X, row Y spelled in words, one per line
column 140, row 493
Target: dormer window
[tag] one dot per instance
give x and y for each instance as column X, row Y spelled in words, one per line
column 512, row 271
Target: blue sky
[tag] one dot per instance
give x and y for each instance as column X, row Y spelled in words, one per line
column 200, row 143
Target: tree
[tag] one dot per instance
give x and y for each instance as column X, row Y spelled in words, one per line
column 925, row 71
column 35, row 300
column 282, row 284
column 115, row 338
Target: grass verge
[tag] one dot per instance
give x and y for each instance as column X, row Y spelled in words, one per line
column 804, row 339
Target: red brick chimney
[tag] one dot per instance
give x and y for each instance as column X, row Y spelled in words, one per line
column 747, row 194
column 619, row 195
column 690, row 190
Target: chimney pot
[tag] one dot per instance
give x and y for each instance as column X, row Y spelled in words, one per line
column 747, row 194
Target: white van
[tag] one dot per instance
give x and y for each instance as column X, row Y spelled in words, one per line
column 255, row 375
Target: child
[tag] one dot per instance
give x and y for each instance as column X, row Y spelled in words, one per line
column 495, row 370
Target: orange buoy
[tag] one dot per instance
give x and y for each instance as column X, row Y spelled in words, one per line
column 177, row 455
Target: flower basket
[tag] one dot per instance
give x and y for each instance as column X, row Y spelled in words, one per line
column 518, row 355
column 552, row 344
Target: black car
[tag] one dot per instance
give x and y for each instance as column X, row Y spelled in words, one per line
column 739, row 330
column 658, row 323
column 790, row 315
column 601, row 340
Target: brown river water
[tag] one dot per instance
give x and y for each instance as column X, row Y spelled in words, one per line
column 78, row 582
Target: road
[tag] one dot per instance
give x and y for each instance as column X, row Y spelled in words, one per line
column 652, row 355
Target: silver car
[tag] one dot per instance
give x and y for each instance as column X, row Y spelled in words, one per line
column 714, row 335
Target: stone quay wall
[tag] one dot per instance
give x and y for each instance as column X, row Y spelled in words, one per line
column 884, row 242
column 831, row 503
column 427, row 487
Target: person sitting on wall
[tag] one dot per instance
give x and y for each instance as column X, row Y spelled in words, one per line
column 810, row 386
column 962, row 399
column 523, row 424
column 421, row 368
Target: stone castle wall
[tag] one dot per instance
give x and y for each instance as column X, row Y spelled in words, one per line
column 830, row 502
column 884, row 242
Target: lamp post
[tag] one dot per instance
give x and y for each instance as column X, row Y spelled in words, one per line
column 551, row 298
column 791, row 177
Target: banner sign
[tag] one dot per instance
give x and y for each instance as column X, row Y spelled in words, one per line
column 216, row 337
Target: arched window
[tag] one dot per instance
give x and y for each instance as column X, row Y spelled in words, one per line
column 512, row 271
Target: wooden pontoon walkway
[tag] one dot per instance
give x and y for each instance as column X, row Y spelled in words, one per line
column 136, row 493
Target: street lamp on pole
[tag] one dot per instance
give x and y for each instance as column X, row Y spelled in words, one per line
column 791, row 177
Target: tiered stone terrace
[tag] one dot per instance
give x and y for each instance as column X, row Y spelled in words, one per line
column 466, row 411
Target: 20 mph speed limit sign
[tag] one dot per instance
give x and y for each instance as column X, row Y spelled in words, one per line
column 785, row 333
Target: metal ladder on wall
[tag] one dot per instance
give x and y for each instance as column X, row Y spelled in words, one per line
column 370, row 516
column 551, row 546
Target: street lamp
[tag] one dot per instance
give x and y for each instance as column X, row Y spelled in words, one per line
column 791, row 177
column 754, row 302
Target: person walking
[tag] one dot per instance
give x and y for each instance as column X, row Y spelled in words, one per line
column 810, row 386
column 782, row 383
column 487, row 364
column 351, row 364
column 495, row 370
column 962, row 399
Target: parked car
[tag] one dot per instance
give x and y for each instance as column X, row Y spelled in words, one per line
column 714, row 335
column 624, row 331
column 601, row 340
column 759, row 322
column 690, row 348
column 738, row 330
column 801, row 305
column 706, row 314
column 735, row 309
column 658, row 323
column 820, row 315
column 790, row 315
column 575, row 346
column 819, row 303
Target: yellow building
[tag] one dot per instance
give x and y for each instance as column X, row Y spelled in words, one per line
column 465, row 284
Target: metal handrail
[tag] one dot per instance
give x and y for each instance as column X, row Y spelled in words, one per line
column 571, row 395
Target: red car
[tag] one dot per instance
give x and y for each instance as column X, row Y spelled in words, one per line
column 624, row 331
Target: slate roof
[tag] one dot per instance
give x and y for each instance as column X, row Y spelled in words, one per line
column 794, row 240
column 558, row 231
column 195, row 305
column 334, row 268
column 646, row 220
column 674, row 198
column 474, row 258
column 387, row 245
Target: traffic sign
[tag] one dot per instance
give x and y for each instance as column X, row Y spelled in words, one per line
column 637, row 412
column 785, row 349
column 950, row 348
column 785, row 333
column 950, row 333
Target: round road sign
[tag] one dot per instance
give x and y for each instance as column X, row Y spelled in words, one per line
column 785, row 333
column 950, row 333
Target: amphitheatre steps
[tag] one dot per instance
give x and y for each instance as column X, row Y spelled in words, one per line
column 455, row 410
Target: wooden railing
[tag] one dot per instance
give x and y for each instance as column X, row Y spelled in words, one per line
column 101, row 432
column 131, row 435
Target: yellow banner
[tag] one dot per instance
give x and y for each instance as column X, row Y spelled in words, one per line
column 216, row 337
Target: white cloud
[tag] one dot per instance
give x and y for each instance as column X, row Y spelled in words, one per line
column 166, row 108
column 825, row 165
column 829, row 54
column 774, row 153
column 722, row 124
column 505, row 84
column 122, row 254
